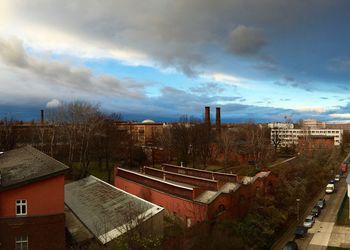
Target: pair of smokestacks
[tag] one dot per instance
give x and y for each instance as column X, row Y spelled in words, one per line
column 218, row 118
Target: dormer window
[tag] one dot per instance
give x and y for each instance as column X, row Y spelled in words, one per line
column 21, row 207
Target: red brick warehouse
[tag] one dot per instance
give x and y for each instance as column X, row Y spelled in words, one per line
column 191, row 194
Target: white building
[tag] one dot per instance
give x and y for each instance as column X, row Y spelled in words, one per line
column 281, row 125
column 286, row 137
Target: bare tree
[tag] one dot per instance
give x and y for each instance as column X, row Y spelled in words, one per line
column 227, row 140
column 78, row 122
column 8, row 134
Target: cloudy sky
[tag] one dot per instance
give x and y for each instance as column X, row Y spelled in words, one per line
column 258, row 60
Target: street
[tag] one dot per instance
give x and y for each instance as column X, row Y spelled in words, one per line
column 324, row 232
column 321, row 234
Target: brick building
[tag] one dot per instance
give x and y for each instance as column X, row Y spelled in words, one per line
column 145, row 132
column 191, row 194
column 31, row 200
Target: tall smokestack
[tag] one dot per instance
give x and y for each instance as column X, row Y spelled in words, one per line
column 207, row 115
column 42, row 116
column 218, row 120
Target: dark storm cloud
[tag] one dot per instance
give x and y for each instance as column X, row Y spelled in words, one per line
column 246, row 40
column 181, row 34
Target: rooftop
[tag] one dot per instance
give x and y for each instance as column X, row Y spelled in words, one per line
column 25, row 165
column 104, row 209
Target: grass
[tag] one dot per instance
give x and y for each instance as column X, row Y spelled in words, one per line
column 343, row 216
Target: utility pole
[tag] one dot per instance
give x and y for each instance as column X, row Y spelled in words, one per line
column 298, row 200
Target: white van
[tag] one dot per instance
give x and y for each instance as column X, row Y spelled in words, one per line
column 330, row 188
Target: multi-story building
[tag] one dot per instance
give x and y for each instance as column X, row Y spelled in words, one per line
column 286, row 137
column 31, row 200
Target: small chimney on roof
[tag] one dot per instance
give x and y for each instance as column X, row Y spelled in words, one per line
column 218, row 120
column 207, row 115
column 42, row 116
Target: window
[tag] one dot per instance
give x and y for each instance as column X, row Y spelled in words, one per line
column 22, row 242
column 21, row 207
column 188, row 222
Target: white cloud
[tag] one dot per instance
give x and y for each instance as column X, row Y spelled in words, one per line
column 54, row 103
column 225, row 78
column 312, row 109
column 344, row 115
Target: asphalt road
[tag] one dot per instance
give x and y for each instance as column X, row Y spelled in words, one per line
column 319, row 235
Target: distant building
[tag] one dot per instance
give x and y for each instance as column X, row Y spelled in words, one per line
column 313, row 124
column 313, row 132
column 143, row 133
column 31, row 200
column 280, row 125
column 191, row 194
column 107, row 212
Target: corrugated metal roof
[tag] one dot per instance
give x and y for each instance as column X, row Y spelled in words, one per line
column 104, row 209
column 27, row 164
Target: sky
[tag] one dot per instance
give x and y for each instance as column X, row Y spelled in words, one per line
column 261, row 60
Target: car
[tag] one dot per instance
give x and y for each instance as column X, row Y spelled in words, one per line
column 290, row 245
column 321, row 203
column 332, row 181
column 300, row 231
column 330, row 188
column 309, row 221
column 337, row 177
column 316, row 211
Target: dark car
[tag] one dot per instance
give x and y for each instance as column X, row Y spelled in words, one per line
column 290, row 245
column 300, row 232
column 332, row 181
column 316, row 211
column 321, row 203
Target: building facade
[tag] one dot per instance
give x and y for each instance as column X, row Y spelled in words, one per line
column 288, row 137
column 31, row 200
column 143, row 133
column 192, row 195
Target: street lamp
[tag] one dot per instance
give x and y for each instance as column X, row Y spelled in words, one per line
column 298, row 200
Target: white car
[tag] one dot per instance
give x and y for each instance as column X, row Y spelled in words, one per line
column 337, row 177
column 309, row 221
column 330, row 188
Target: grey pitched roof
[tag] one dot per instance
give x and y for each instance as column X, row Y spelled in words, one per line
column 25, row 165
column 104, row 209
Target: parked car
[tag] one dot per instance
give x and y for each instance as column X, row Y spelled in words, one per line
column 290, row 245
column 330, row 188
column 321, row 203
column 309, row 221
column 300, row 231
column 332, row 181
column 316, row 211
column 337, row 177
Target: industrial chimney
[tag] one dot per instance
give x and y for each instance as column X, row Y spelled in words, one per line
column 218, row 120
column 207, row 115
column 42, row 116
